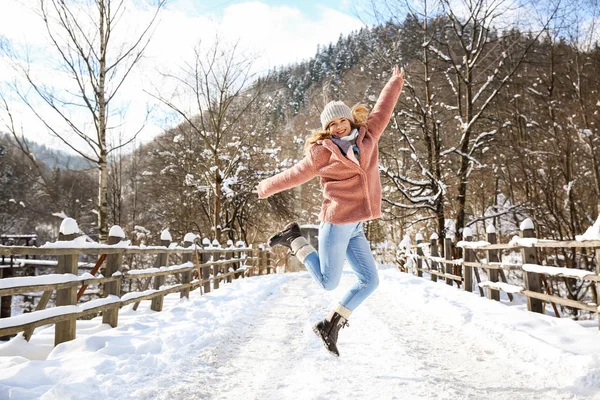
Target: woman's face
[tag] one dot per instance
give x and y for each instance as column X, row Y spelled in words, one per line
column 340, row 127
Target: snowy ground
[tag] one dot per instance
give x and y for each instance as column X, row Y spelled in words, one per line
column 413, row 339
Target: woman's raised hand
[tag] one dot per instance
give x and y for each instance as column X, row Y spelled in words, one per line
column 398, row 71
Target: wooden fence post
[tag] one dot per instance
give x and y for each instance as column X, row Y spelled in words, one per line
column 492, row 256
column 262, row 259
column 67, row 264
column 532, row 280
column 469, row 257
column 162, row 260
column 419, row 239
column 6, row 301
column 448, row 256
column 251, row 254
column 434, row 253
column 186, row 277
column 597, row 254
column 229, row 256
column 238, row 255
column 268, row 261
column 206, row 256
column 216, row 256
column 113, row 265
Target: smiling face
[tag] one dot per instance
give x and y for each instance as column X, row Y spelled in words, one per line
column 340, row 127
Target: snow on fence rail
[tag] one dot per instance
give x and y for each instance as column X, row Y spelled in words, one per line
column 535, row 287
column 202, row 267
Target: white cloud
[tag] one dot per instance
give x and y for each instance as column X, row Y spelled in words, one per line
column 279, row 34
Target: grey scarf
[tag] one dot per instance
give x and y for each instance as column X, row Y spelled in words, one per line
column 346, row 143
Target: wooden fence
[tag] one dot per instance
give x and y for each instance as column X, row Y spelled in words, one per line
column 202, row 267
column 485, row 255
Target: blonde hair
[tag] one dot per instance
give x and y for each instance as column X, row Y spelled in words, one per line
column 360, row 113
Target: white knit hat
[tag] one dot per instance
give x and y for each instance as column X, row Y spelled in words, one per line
column 333, row 110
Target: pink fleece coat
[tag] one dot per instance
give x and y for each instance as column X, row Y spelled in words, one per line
column 351, row 192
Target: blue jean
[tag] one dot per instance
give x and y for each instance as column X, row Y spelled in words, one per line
column 336, row 243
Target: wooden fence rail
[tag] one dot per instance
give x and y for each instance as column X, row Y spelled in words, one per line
column 535, row 276
column 203, row 267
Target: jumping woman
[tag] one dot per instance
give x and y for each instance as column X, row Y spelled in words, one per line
column 344, row 154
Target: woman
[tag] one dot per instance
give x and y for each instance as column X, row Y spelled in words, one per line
column 344, row 154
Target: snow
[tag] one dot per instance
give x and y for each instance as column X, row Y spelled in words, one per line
column 51, row 279
column 490, row 229
column 525, row 242
column 82, row 243
column 405, row 242
column 165, row 235
column 152, row 270
column 472, row 245
column 245, row 341
column 557, row 271
column 36, row 316
column 434, row 236
column 135, row 295
column 69, row 227
column 31, row 261
column 60, row 214
column 110, row 299
column 592, row 233
column 116, row 231
column 526, row 224
column 505, row 287
column 190, row 237
column 467, row 232
column 419, row 236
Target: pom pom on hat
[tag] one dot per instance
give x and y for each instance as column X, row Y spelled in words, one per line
column 333, row 110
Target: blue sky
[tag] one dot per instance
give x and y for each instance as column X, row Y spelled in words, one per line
column 311, row 8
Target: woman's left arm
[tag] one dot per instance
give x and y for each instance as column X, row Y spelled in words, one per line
column 382, row 112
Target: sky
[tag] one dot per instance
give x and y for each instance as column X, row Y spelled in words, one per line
column 252, row 339
column 277, row 32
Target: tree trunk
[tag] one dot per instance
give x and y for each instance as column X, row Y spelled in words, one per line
column 217, row 206
column 103, row 199
column 100, row 97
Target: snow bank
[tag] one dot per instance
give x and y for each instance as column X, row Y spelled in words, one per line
column 253, row 339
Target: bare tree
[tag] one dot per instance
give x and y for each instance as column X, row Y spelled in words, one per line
column 83, row 36
column 464, row 62
column 216, row 83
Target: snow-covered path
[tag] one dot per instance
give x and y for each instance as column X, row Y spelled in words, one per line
column 413, row 339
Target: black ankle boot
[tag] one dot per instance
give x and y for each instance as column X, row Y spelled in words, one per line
column 286, row 236
column 327, row 330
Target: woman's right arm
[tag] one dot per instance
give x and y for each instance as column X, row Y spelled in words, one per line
column 300, row 173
